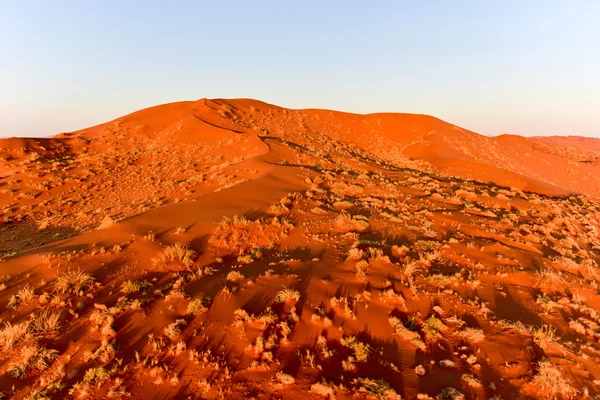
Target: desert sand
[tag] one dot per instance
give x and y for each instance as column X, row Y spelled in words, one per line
column 233, row 249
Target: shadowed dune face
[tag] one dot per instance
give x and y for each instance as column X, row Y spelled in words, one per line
column 236, row 249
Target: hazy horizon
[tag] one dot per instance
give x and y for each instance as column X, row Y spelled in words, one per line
column 493, row 68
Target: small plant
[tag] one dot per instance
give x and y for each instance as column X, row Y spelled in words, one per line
column 95, row 376
column 432, row 328
column 361, row 350
column 284, row 379
column 197, row 306
column 106, row 222
column 12, row 334
column 150, row 236
column 129, row 287
column 361, row 270
column 25, row 295
column 450, row 393
column 46, row 322
column 407, row 334
column 355, row 254
column 286, row 295
column 234, row 276
column 174, row 329
column 175, row 254
column 35, row 357
column 550, row 281
column 378, row 389
column 472, row 334
column 345, row 223
column 324, row 389
column 544, row 336
column 242, row 235
column 74, row 282
column 552, row 383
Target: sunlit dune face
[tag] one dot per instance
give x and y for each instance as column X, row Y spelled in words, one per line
column 235, row 249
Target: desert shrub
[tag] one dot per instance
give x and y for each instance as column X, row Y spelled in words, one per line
column 106, row 222
column 234, row 276
column 34, row 357
column 12, row 334
column 129, row 287
column 345, row 223
column 407, row 334
column 472, row 334
column 175, row 254
column 75, row 282
column 355, row 254
column 174, row 329
column 46, row 322
column 287, row 294
column 197, row 306
column 432, row 328
column 544, row 336
column 324, row 389
column 360, row 350
column 243, row 235
column 284, row 379
column 450, row 393
column 25, row 294
column 378, row 389
column 552, row 383
column 95, row 376
column 399, row 251
column 361, row 269
column 550, row 281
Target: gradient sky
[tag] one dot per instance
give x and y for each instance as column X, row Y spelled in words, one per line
column 526, row 67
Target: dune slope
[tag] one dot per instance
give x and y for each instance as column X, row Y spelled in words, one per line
column 236, row 249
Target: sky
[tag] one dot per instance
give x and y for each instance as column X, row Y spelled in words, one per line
column 523, row 67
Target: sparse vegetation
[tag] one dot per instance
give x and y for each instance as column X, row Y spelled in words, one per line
column 258, row 306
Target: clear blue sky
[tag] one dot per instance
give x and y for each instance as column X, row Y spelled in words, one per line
column 528, row 67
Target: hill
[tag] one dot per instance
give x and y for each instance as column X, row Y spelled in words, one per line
column 237, row 249
column 579, row 142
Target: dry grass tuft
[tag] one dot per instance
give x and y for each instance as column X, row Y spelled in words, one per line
column 345, row 223
column 242, row 235
column 197, row 306
column 552, row 383
column 33, row 357
column 12, row 334
column 75, row 282
column 545, row 337
column 286, row 295
column 407, row 334
column 47, row 322
column 378, row 389
column 175, row 254
column 129, row 287
column 235, row 276
column 361, row 270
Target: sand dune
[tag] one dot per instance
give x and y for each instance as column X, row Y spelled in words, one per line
column 235, row 249
column 580, row 142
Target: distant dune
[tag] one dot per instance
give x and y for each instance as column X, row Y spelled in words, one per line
column 580, row 142
column 408, row 139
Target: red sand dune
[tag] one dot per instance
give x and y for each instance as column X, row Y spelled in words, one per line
column 236, row 249
column 580, row 142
